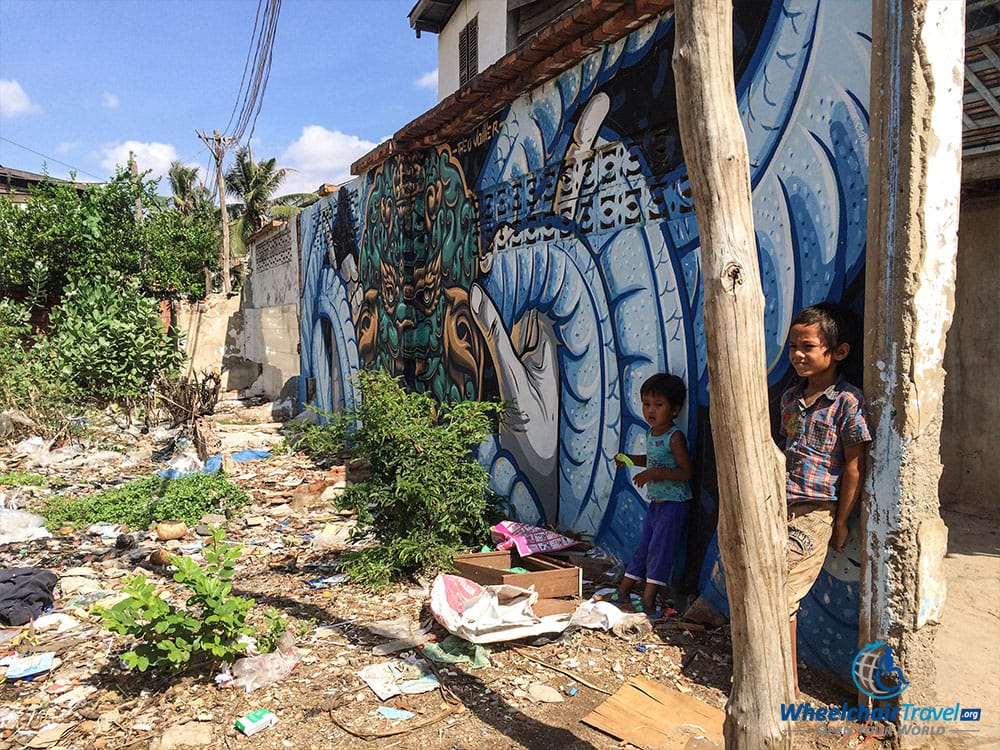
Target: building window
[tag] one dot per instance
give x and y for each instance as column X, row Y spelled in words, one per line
column 468, row 51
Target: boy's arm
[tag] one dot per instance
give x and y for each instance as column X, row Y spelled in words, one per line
column 850, row 489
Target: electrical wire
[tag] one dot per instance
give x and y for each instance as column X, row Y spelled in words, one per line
column 50, row 158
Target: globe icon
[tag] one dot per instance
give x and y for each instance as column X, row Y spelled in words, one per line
column 876, row 674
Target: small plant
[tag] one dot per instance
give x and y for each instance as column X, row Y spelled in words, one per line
column 149, row 500
column 207, row 629
column 426, row 497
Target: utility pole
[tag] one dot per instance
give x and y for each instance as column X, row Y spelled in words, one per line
column 751, row 470
column 133, row 170
column 218, row 145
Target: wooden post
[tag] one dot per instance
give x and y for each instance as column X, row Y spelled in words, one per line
column 752, row 515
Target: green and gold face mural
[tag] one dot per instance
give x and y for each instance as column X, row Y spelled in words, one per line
column 419, row 254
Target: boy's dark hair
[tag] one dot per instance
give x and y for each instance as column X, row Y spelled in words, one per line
column 833, row 322
column 664, row 384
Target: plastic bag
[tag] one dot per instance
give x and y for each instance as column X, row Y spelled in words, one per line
column 21, row 526
column 252, row 672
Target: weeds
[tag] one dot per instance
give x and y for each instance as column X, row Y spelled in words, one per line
column 22, row 479
column 146, row 501
column 426, row 497
column 207, row 629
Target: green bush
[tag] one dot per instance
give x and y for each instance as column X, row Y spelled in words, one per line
column 108, row 341
column 426, row 497
column 146, row 501
column 205, row 630
column 28, row 380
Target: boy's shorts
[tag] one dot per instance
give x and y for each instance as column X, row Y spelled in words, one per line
column 810, row 526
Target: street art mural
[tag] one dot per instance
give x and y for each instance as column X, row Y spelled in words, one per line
column 551, row 257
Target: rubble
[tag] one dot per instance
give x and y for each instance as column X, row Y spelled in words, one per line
column 534, row 691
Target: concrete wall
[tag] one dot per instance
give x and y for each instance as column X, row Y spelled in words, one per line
column 551, row 257
column 492, row 39
column 271, row 314
column 970, row 435
column 213, row 339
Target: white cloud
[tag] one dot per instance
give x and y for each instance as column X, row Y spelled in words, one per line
column 65, row 148
column 14, row 101
column 151, row 156
column 109, row 100
column 427, row 80
column 320, row 155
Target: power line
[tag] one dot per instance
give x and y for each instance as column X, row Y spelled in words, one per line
column 50, row 158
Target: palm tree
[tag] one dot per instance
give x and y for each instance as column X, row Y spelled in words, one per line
column 189, row 195
column 254, row 184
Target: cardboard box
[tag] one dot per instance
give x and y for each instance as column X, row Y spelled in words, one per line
column 550, row 577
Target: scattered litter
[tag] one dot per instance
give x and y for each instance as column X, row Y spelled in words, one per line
column 48, row 736
column 488, row 614
column 325, row 583
column 395, row 714
column 58, row 620
column 604, row 615
column 255, row 721
column 25, row 593
column 528, row 539
column 23, row 667
column 252, row 672
column 408, row 676
column 77, row 695
column 540, row 693
column 648, row 714
column 21, row 526
column 455, row 650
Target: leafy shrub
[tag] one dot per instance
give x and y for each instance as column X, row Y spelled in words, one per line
column 109, row 342
column 28, row 380
column 149, row 500
column 426, row 497
column 206, row 629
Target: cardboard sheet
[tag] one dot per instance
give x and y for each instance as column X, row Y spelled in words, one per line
column 651, row 715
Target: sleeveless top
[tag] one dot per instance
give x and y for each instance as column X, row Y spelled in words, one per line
column 659, row 456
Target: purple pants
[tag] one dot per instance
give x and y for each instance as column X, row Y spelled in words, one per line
column 662, row 534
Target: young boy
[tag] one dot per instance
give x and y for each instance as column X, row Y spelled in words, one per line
column 823, row 421
column 666, row 480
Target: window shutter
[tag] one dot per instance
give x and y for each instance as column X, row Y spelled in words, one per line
column 468, row 51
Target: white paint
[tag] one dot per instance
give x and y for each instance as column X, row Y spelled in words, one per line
column 492, row 40
column 943, row 35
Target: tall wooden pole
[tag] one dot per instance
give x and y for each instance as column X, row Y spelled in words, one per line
column 218, row 145
column 752, row 516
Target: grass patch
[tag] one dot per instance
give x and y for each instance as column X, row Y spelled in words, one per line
column 22, row 479
column 146, row 501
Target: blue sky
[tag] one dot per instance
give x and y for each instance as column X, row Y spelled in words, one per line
column 84, row 81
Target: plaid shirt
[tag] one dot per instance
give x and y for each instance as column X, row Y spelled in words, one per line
column 815, row 437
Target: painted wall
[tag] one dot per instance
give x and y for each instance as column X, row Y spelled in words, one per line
column 492, row 39
column 551, row 256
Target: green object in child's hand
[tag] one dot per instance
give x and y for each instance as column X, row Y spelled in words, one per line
column 625, row 459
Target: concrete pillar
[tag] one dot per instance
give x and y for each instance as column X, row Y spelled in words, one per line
column 914, row 165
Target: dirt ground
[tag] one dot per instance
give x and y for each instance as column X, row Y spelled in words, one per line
column 89, row 701
column 968, row 639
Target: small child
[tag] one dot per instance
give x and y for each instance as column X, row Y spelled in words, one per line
column 668, row 469
column 823, row 421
